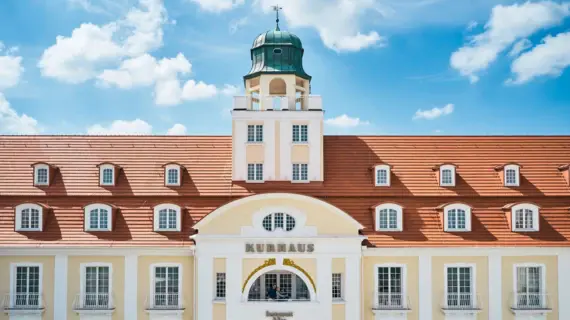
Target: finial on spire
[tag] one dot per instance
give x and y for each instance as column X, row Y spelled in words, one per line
column 276, row 8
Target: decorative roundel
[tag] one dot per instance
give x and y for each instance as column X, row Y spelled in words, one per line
column 278, row 220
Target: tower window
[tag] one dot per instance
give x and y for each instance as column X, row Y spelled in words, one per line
column 255, row 172
column 300, row 172
column 277, row 51
column 300, row 133
column 255, row 133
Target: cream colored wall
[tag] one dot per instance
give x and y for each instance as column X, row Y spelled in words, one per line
column 338, row 311
column 254, row 153
column 326, row 221
column 369, row 281
column 219, row 312
column 338, row 265
column 48, row 264
column 300, row 153
column 507, row 273
column 144, row 282
column 219, row 265
column 74, row 282
column 322, row 152
column 277, row 149
column 481, row 283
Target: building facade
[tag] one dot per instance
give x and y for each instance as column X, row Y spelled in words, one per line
column 278, row 221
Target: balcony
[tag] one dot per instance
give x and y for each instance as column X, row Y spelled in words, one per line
column 391, row 303
column 278, row 103
column 460, row 303
column 93, row 303
column 23, row 303
column 530, row 303
column 164, row 303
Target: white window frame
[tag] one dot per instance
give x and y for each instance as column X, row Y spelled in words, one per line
column 457, row 206
column 216, row 297
column 272, row 218
column 535, row 217
column 18, row 216
column 167, row 206
column 37, row 167
column 447, row 167
column 255, row 180
column 178, row 169
column 403, row 284
column 300, row 140
column 473, row 280
column 399, row 217
column 83, row 280
column 13, row 274
column 104, row 167
column 152, row 272
column 341, row 298
column 542, row 277
column 87, row 216
column 256, row 128
column 517, row 175
column 388, row 174
column 300, row 166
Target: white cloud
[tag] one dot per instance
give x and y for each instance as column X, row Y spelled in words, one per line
column 121, row 127
column 506, row 25
column 338, row 22
column 12, row 123
column 434, row 113
column 519, row 47
column 198, row 90
column 10, row 68
column 472, row 25
column 230, row 90
column 549, row 58
column 236, row 24
column 344, row 121
column 218, row 5
column 177, row 130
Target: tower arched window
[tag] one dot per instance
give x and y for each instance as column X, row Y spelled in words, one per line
column 278, row 220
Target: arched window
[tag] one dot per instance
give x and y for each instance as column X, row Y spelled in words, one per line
column 280, row 286
column 525, row 217
column 107, row 174
column 167, row 217
column 278, row 220
column 98, row 217
column 447, row 175
column 389, row 217
column 457, row 217
column 172, row 175
column 29, row 217
column 42, row 174
column 512, row 175
column 382, row 175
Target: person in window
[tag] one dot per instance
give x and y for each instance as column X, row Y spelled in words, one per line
column 281, row 295
column 272, row 293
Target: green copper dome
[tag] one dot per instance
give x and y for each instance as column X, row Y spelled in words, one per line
column 277, row 51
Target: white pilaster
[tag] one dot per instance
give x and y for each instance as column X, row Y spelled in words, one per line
column 205, row 280
column 425, row 295
column 315, row 140
column 564, row 284
column 352, row 290
column 285, row 136
column 239, row 149
column 60, row 288
column 131, row 279
column 324, row 286
column 269, row 150
column 233, row 286
column 495, row 286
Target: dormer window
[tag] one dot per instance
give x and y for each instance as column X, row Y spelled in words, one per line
column 108, row 173
column 457, row 218
column 29, row 217
column 42, row 173
column 382, row 175
column 510, row 174
column 524, row 217
column 173, row 175
column 447, row 175
column 388, row 217
column 98, row 217
column 167, row 217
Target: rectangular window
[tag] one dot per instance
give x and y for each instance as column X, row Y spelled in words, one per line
column 529, row 287
column 300, row 133
column 511, row 177
column 98, row 219
column 337, row 286
column 300, row 172
column 459, row 287
column 388, row 219
column 381, row 177
column 166, row 287
column 27, row 287
column 390, row 287
column 221, row 285
column 42, row 176
column 173, row 176
column 167, row 219
column 30, row 219
column 255, row 133
column 446, row 177
column 255, row 172
column 107, row 176
column 97, row 289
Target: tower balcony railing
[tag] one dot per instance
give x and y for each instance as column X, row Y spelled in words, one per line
column 23, row 301
column 278, row 103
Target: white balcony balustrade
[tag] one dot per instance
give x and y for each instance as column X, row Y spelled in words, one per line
column 530, row 301
column 460, row 301
column 278, row 103
column 23, row 301
column 392, row 301
column 164, row 301
column 93, row 301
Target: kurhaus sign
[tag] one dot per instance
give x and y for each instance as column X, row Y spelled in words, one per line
column 278, row 315
column 279, row 247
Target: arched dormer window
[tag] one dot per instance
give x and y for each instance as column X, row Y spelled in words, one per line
column 525, row 217
column 29, row 217
column 108, row 173
column 510, row 174
column 445, row 174
column 43, row 174
column 167, row 217
column 173, row 174
column 98, row 217
column 382, row 175
column 457, row 217
column 388, row 217
column 278, row 220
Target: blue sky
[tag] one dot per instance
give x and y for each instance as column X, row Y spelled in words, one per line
column 411, row 67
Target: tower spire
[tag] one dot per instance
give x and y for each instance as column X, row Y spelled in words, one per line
column 276, row 8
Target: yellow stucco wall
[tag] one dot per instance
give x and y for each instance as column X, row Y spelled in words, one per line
column 255, row 153
column 551, row 272
column 481, row 283
column 231, row 220
column 300, row 153
column 338, row 265
column 219, row 312
column 144, row 282
column 338, row 311
column 48, row 264
column 411, row 288
column 74, row 282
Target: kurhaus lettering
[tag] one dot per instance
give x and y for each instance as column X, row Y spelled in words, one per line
column 278, row 315
column 280, row 247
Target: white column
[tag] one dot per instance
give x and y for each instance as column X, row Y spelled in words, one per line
column 425, row 295
column 269, row 150
column 60, row 288
column 324, row 286
column 353, row 289
column 564, row 284
column 495, row 287
column 205, row 280
column 285, row 136
column 131, row 290
column 233, row 287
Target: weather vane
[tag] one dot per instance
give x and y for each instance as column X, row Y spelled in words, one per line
column 276, row 8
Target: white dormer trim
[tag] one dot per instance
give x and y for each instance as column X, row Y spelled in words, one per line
column 104, row 167
column 516, row 168
column 444, row 168
column 399, row 217
column 98, row 206
column 457, row 206
column 176, row 167
column 167, row 206
column 30, row 206
column 38, row 167
column 535, row 217
column 377, row 169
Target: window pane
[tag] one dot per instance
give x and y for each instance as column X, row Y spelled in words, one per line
column 259, row 171
column 304, row 172
column 278, row 220
column 94, row 219
column 25, row 216
column 296, row 133
column 446, row 177
column 296, row 172
column 460, row 219
column 250, row 133
column 42, row 175
column 220, row 285
column 162, row 219
column 336, row 286
column 383, row 218
column 290, row 223
column 381, row 177
column 511, row 177
column 519, row 219
column 172, row 219
column 107, row 176
column 451, row 219
column 172, row 176
column 528, row 217
column 304, row 133
column 34, row 218
column 103, row 218
column 250, row 172
column 258, row 133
